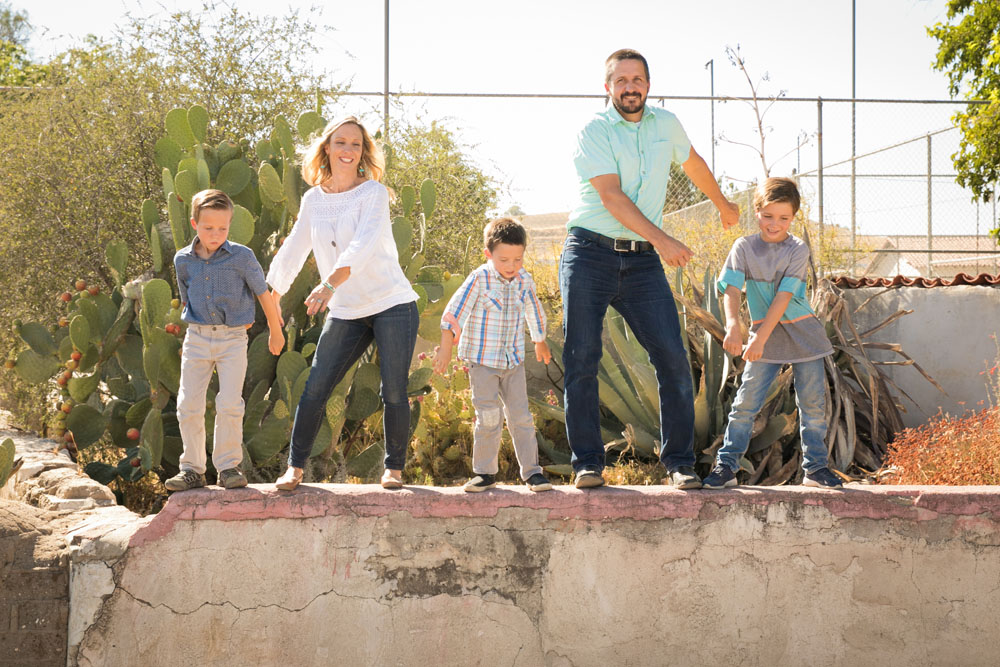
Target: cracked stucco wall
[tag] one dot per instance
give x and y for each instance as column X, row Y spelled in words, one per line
column 351, row 575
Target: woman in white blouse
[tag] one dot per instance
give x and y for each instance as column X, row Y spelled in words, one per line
column 344, row 221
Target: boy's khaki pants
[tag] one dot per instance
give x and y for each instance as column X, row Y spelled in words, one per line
column 208, row 347
column 496, row 392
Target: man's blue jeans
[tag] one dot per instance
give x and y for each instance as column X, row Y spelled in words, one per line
column 591, row 278
column 810, row 397
column 341, row 343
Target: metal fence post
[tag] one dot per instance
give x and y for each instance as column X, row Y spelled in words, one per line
column 930, row 230
column 385, row 90
column 819, row 170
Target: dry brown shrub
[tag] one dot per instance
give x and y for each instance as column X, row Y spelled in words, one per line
column 948, row 450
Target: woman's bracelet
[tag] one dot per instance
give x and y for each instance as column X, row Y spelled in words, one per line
column 328, row 286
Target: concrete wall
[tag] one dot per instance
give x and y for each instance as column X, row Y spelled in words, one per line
column 354, row 575
column 948, row 334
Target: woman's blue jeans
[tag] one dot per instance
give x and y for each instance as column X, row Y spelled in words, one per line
column 340, row 345
column 591, row 278
column 810, row 397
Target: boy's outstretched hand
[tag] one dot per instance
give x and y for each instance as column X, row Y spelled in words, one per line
column 276, row 340
column 441, row 359
column 542, row 352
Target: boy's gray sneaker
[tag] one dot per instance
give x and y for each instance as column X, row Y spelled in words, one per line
column 185, row 480
column 684, row 478
column 588, row 479
column 823, row 479
column 232, row 478
column 721, row 477
column 539, row 482
column 480, row 482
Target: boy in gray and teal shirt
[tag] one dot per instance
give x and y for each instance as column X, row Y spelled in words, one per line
column 772, row 265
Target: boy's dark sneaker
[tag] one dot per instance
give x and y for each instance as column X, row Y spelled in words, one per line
column 684, row 478
column 539, row 482
column 823, row 479
column 232, row 478
column 480, row 482
column 185, row 480
column 588, row 479
column 721, row 477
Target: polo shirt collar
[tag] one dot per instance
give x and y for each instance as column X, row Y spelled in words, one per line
column 615, row 117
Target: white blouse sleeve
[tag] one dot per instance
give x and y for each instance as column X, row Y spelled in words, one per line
column 293, row 252
column 372, row 223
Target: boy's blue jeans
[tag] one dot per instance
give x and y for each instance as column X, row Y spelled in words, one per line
column 810, row 397
column 592, row 277
column 341, row 343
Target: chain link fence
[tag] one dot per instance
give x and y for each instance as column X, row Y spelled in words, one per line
column 878, row 184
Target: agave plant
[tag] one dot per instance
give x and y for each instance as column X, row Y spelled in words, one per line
column 862, row 414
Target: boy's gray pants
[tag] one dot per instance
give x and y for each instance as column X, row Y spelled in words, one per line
column 495, row 392
column 207, row 348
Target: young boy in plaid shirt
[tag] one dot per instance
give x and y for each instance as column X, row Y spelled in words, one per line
column 486, row 317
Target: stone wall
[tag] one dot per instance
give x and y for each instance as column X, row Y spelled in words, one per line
column 354, row 575
column 40, row 505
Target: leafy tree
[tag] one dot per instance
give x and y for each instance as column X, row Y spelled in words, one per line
column 16, row 69
column 14, row 25
column 515, row 210
column 969, row 51
column 243, row 69
column 466, row 196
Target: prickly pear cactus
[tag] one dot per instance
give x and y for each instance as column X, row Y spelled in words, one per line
column 127, row 336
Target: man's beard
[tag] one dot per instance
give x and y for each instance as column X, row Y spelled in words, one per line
column 630, row 103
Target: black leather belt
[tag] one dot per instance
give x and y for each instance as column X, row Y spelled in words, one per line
column 618, row 245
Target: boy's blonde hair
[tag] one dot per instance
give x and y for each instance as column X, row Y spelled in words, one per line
column 504, row 230
column 316, row 163
column 212, row 200
column 776, row 190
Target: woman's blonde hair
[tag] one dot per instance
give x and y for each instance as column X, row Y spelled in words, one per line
column 316, row 163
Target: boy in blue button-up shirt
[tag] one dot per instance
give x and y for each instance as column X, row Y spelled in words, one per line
column 218, row 281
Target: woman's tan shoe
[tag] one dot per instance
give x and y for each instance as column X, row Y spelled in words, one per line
column 289, row 480
column 392, row 479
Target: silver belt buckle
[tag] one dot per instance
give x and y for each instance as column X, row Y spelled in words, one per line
column 624, row 245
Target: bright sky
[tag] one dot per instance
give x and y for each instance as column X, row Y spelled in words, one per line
column 559, row 46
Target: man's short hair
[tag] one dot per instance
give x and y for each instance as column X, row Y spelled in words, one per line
column 620, row 55
column 504, row 230
column 210, row 199
column 776, row 190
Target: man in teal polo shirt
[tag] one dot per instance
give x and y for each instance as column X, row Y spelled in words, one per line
column 612, row 257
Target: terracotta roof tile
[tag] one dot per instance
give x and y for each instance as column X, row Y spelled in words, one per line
column 984, row 279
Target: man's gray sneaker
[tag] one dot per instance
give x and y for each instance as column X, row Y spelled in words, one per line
column 822, row 478
column 684, row 478
column 185, row 480
column 721, row 477
column 232, row 478
column 588, row 479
